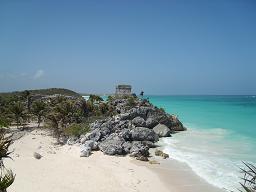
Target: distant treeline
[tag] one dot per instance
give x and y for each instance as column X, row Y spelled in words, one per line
column 50, row 91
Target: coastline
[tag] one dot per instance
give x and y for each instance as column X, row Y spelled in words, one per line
column 62, row 165
column 179, row 176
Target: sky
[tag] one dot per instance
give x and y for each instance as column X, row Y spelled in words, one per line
column 161, row 47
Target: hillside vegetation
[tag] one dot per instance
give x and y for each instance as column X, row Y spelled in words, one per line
column 50, row 91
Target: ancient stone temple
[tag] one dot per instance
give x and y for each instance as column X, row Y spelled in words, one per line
column 123, row 90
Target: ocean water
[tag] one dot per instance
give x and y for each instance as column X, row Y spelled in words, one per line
column 221, row 134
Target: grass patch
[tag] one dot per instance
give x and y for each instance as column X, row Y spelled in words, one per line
column 77, row 129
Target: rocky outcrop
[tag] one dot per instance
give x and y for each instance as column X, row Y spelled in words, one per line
column 162, row 130
column 113, row 145
column 151, row 122
column 138, row 149
column 132, row 131
column 139, row 122
column 143, row 134
column 87, row 147
column 85, row 151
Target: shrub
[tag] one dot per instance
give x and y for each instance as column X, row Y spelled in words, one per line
column 131, row 101
column 19, row 113
column 76, row 129
column 110, row 98
column 4, row 122
column 6, row 176
column 162, row 109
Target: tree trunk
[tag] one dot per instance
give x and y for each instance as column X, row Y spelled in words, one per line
column 39, row 121
column 17, row 122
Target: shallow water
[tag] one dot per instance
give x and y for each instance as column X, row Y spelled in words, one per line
column 221, row 134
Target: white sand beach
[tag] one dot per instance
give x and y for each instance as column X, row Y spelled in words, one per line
column 61, row 169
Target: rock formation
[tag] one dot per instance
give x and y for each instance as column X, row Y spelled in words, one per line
column 134, row 129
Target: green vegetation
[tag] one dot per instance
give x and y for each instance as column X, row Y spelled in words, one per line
column 131, row 101
column 64, row 115
column 77, row 129
column 249, row 179
column 4, row 122
column 39, row 109
column 6, row 176
column 50, row 91
column 17, row 109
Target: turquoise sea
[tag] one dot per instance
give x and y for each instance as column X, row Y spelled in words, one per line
column 221, row 134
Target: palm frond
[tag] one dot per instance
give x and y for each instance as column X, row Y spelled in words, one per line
column 5, row 142
column 6, row 179
column 249, row 178
column 247, row 189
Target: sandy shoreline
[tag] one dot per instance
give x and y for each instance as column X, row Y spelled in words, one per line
column 180, row 177
column 61, row 169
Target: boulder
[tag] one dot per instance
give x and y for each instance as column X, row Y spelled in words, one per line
column 165, row 120
column 176, row 124
column 171, row 121
column 143, row 134
column 143, row 111
column 91, row 144
column 104, row 131
column 122, row 125
column 162, row 130
column 127, row 116
column 95, row 125
column 95, row 135
column 139, row 122
column 83, row 138
column 125, row 134
column 161, row 154
column 37, row 155
column 85, row 151
column 126, row 147
column 150, row 144
column 112, row 145
column 151, row 122
column 72, row 140
column 138, row 149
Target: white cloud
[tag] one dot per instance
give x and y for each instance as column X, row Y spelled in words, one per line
column 38, row 74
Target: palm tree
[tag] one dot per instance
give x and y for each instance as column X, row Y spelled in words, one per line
column 6, row 176
column 39, row 110
column 27, row 96
column 93, row 102
column 18, row 110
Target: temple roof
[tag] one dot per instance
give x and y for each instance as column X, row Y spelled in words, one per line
column 124, row 86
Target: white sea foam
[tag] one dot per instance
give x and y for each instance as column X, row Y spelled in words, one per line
column 209, row 154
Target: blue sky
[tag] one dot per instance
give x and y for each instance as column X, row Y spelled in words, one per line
column 161, row 47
